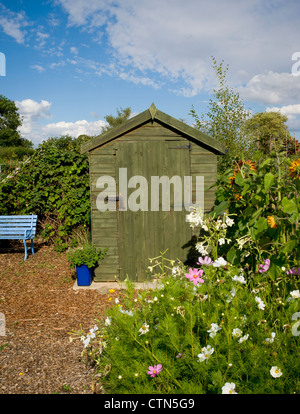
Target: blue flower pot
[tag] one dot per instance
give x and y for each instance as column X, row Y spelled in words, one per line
column 84, row 275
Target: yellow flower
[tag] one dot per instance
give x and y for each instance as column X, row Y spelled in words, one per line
column 295, row 169
column 237, row 196
column 111, row 290
column 271, row 222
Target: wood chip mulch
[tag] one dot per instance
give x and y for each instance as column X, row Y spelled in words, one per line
column 41, row 309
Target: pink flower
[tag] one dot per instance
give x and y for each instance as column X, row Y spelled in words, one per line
column 293, row 271
column 264, row 267
column 194, row 276
column 206, row 261
column 155, row 370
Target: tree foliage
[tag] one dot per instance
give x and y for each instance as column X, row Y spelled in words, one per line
column 10, row 121
column 225, row 118
column 268, row 130
column 113, row 121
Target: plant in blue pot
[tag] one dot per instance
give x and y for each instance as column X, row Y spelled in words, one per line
column 84, row 259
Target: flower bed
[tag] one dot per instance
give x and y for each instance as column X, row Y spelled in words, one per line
column 228, row 334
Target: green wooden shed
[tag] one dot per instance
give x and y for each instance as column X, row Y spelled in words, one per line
column 151, row 144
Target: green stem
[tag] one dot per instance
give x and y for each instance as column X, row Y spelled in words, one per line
column 153, row 356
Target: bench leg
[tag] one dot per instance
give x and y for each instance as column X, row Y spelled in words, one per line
column 32, row 251
column 24, row 241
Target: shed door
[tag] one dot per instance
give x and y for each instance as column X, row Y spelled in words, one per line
column 144, row 234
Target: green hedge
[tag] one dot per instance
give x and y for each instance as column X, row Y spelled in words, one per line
column 54, row 184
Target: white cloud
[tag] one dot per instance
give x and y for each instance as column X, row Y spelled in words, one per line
column 73, row 129
column 13, row 24
column 81, row 12
column 74, row 50
column 288, row 110
column 41, row 39
column 292, row 112
column 272, row 88
column 34, row 113
column 38, row 68
column 175, row 41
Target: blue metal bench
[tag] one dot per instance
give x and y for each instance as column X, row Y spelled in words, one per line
column 20, row 228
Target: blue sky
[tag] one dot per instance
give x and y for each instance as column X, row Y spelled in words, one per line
column 71, row 62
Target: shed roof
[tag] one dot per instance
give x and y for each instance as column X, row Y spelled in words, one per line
column 150, row 115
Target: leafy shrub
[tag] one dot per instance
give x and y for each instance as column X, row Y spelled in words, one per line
column 87, row 255
column 262, row 197
column 54, row 184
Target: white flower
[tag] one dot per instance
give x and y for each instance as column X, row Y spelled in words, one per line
column 261, row 304
column 144, row 329
column 243, row 338
column 117, row 300
column 295, row 294
column 90, row 335
column 125, row 312
column 232, row 293
column 218, row 224
column 201, row 249
column 176, row 271
column 228, row 388
column 275, row 372
column 270, row 340
column 214, row 328
column 221, row 241
column 240, row 279
column 237, row 333
column 107, row 321
column 219, row 262
column 195, row 218
column 206, row 353
column 229, row 221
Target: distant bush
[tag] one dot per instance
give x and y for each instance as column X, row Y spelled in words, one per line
column 19, row 153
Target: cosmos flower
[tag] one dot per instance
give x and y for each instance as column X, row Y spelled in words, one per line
column 261, row 304
column 228, row 388
column 144, row 329
column 155, row 370
column 275, row 372
column 206, row 353
column 265, row 267
column 206, row 261
column 194, row 276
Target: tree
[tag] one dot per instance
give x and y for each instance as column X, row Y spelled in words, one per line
column 225, row 118
column 10, row 121
column 269, row 131
column 114, row 121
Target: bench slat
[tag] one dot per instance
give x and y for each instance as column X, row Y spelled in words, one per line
column 18, row 217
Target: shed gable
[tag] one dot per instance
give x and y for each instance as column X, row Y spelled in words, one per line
column 157, row 134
